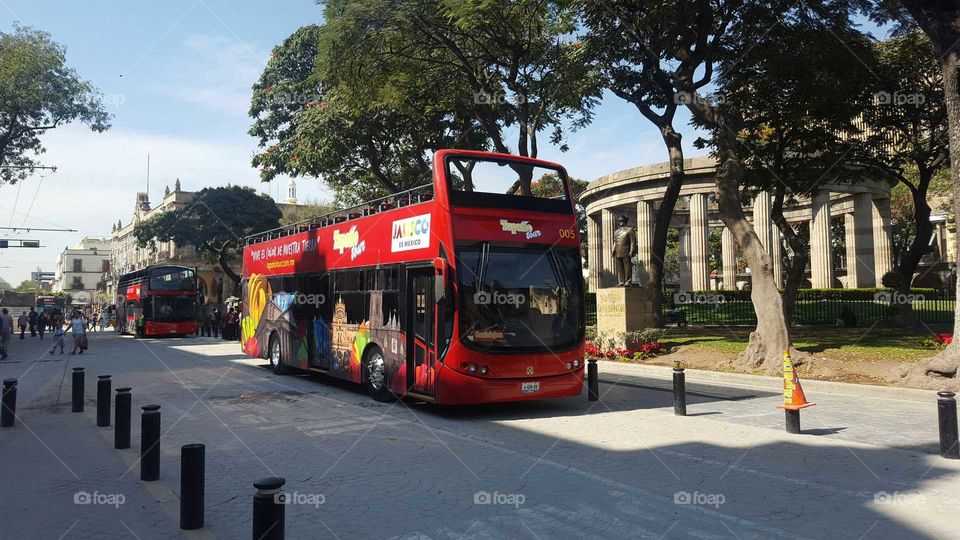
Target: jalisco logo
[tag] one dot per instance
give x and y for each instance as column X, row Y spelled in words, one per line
column 345, row 240
column 410, row 233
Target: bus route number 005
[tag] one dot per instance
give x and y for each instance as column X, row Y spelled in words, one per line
column 567, row 233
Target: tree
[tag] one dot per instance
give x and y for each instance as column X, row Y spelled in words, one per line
column 215, row 223
column 549, row 185
column 940, row 21
column 38, row 92
column 907, row 124
column 638, row 71
column 312, row 117
column 503, row 64
column 28, row 285
column 806, row 136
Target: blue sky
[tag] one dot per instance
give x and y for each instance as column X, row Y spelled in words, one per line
column 176, row 75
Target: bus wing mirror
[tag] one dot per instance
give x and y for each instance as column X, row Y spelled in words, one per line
column 439, row 279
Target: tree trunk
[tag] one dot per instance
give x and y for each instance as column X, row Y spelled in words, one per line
column 667, row 204
column 225, row 266
column 798, row 265
column 911, row 259
column 771, row 338
column 943, row 26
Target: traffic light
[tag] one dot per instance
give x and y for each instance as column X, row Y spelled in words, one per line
column 4, row 244
column 30, row 243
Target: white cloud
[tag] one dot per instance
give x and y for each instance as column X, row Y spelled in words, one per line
column 99, row 176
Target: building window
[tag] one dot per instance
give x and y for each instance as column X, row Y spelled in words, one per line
column 105, row 266
column 77, row 283
column 78, row 265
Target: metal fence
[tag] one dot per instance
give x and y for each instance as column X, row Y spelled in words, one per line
column 931, row 307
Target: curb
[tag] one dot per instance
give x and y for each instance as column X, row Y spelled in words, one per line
column 776, row 383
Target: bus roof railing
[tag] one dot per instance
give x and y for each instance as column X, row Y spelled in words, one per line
column 400, row 199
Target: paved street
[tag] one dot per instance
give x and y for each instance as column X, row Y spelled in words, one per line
column 624, row 467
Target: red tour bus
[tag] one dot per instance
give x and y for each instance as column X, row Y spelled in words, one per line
column 159, row 300
column 465, row 290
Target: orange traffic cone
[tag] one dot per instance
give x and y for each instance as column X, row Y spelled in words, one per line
column 793, row 397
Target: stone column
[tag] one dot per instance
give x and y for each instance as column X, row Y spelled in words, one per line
column 699, row 243
column 608, row 225
column 646, row 220
column 686, row 280
column 768, row 233
column 863, row 234
column 594, row 249
column 821, row 260
column 729, row 255
column 883, row 250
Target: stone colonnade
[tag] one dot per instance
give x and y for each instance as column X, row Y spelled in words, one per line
column 865, row 209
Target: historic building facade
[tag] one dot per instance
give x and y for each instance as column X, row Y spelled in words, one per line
column 863, row 207
column 82, row 270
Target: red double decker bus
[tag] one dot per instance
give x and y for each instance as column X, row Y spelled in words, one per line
column 159, row 300
column 465, row 290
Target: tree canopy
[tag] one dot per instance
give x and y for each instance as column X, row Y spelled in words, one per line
column 38, row 92
column 215, row 223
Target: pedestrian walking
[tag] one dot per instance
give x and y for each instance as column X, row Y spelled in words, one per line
column 78, row 327
column 32, row 321
column 215, row 322
column 6, row 332
column 102, row 321
column 58, row 332
column 22, row 323
column 41, row 323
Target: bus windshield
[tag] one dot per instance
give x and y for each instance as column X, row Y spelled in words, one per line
column 519, row 299
column 173, row 308
column 172, row 279
column 497, row 183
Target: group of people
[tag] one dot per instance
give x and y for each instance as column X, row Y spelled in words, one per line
column 40, row 322
column 216, row 324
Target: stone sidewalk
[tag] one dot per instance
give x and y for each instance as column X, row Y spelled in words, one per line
column 623, row 467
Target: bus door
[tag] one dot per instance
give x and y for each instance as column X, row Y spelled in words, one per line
column 421, row 332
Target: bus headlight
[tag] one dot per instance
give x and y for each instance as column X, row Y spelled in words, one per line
column 576, row 364
column 472, row 368
column 483, row 370
column 569, row 365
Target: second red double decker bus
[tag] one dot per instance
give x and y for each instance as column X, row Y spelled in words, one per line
column 465, row 290
column 159, row 300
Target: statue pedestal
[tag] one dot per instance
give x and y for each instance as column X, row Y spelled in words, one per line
column 624, row 309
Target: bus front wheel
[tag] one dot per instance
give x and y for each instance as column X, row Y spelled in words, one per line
column 376, row 376
column 275, row 356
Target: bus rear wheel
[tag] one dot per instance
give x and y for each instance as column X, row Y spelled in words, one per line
column 275, row 355
column 375, row 375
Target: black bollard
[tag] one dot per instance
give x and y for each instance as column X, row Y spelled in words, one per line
column 947, row 415
column 793, row 421
column 679, row 392
column 268, row 509
column 9, row 413
column 76, row 394
column 150, row 443
column 593, row 380
column 192, row 463
column 121, row 433
column 103, row 400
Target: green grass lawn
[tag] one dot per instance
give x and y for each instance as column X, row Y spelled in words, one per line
column 862, row 343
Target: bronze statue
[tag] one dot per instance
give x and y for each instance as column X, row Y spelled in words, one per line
column 624, row 248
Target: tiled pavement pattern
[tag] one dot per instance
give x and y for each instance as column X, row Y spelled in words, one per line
column 623, row 467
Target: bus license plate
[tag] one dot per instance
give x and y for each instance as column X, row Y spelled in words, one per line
column 530, row 387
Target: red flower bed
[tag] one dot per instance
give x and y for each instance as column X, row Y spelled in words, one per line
column 944, row 339
column 644, row 350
